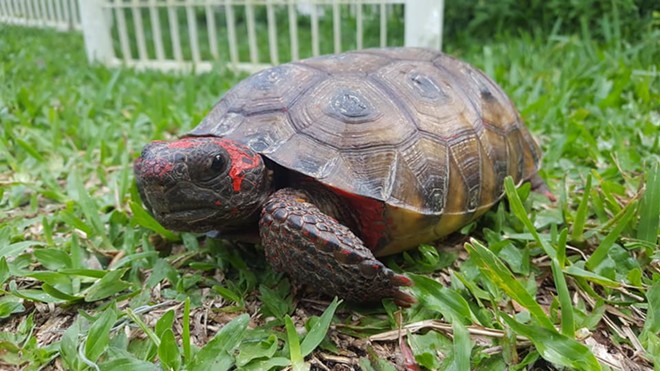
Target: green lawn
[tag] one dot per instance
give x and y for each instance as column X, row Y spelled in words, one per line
column 88, row 281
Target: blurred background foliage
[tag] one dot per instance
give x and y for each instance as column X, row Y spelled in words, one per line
column 484, row 19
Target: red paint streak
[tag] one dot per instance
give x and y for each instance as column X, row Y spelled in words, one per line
column 184, row 143
column 242, row 160
column 157, row 168
column 163, row 168
column 371, row 217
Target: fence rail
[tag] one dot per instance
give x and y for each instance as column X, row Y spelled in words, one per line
column 62, row 15
column 243, row 34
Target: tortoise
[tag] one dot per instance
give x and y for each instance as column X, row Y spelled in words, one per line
column 333, row 161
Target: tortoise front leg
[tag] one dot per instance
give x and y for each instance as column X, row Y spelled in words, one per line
column 315, row 249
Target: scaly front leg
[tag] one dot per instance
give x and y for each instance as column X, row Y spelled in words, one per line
column 315, row 249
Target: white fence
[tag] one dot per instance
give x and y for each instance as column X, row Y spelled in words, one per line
column 59, row 14
column 243, row 34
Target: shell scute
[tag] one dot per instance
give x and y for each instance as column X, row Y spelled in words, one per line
column 272, row 89
column 438, row 106
column 349, row 113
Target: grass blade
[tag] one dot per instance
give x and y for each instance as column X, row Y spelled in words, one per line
column 649, row 210
column 576, row 271
column 435, row 296
column 10, row 305
column 90, row 209
column 99, row 334
column 142, row 218
column 561, row 247
column 295, row 353
column 568, row 325
column 317, row 333
column 653, row 315
column 58, row 294
column 168, row 351
column 143, row 326
column 462, row 347
column 215, row 354
column 602, row 250
column 69, row 344
column 107, row 286
column 129, row 364
column 4, row 270
column 567, row 315
column 555, row 347
column 275, row 363
column 581, row 214
column 491, row 266
column 185, row 336
column 520, row 212
column 254, row 350
column 164, row 323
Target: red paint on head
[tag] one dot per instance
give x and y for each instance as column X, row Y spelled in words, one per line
column 241, row 161
column 155, row 168
column 164, row 168
column 370, row 217
column 182, row 143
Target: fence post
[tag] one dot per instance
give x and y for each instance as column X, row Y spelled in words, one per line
column 423, row 22
column 96, row 31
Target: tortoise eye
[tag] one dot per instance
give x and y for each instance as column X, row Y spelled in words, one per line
column 218, row 164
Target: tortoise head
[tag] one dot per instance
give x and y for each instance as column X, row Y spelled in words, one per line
column 202, row 184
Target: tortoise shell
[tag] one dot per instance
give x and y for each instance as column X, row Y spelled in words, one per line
column 425, row 135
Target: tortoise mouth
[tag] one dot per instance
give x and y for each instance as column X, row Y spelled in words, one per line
column 190, row 220
column 182, row 206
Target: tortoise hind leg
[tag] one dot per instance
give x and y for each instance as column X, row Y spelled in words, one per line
column 538, row 185
column 315, row 249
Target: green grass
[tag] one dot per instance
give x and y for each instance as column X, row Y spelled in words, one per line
column 86, row 283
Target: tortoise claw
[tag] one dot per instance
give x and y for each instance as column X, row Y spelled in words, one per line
column 403, row 299
column 401, row 280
